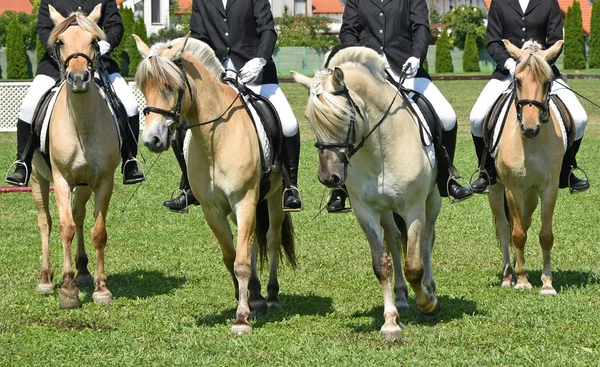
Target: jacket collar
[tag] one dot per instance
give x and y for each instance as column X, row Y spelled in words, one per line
column 229, row 5
column 219, row 5
column 379, row 3
column 517, row 7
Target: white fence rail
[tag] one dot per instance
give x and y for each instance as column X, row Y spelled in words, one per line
column 12, row 94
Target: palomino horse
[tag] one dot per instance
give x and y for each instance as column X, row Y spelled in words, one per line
column 223, row 159
column 84, row 152
column 528, row 164
column 390, row 179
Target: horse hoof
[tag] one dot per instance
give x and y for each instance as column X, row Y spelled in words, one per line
column 548, row 292
column 506, row 283
column 67, row 302
column 45, row 288
column 401, row 305
column 240, row 329
column 526, row 286
column 273, row 304
column 433, row 313
column 84, row 280
column 392, row 332
column 103, row 297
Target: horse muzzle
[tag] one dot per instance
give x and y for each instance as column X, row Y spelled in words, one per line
column 530, row 132
column 79, row 81
column 156, row 137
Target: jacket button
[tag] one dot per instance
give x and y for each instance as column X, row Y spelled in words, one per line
column 523, row 29
column 522, row 18
column 381, row 47
column 225, row 20
column 380, row 14
column 522, row 39
column 381, row 31
column 226, row 34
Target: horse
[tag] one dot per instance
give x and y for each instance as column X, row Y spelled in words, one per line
column 184, row 78
column 390, row 179
column 84, row 152
column 528, row 164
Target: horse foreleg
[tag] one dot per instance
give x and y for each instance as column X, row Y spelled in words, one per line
column 69, row 293
column 433, row 206
column 393, row 240
column 40, row 187
column 382, row 267
column 258, row 303
column 519, row 209
column 547, row 238
column 83, row 277
column 219, row 225
column 102, row 197
column 274, row 240
column 496, row 200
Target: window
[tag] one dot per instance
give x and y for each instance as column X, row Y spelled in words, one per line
column 299, row 7
column 155, row 4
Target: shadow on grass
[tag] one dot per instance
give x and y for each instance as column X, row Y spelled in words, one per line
column 452, row 309
column 291, row 305
column 560, row 279
column 142, row 284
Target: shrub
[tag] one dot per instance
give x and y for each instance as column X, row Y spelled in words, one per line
column 471, row 54
column 443, row 58
column 16, row 56
column 465, row 19
column 303, row 31
column 573, row 47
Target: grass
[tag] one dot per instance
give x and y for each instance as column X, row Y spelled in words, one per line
column 174, row 301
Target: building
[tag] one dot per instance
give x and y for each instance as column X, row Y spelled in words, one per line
column 16, row 5
column 154, row 12
column 295, row 7
column 332, row 9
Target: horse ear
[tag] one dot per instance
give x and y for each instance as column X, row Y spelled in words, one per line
column 55, row 15
column 513, row 50
column 96, row 13
column 338, row 77
column 551, row 53
column 141, row 46
column 179, row 46
column 302, row 79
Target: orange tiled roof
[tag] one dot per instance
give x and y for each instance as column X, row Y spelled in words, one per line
column 586, row 10
column 327, row 7
column 16, row 5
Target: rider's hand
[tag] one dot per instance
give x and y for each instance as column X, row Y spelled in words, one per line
column 511, row 66
column 413, row 66
column 104, row 47
column 249, row 72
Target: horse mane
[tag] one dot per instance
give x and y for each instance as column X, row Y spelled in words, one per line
column 330, row 114
column 167, row 75
column 335, row 49
column 81, row 20
column 540, row 69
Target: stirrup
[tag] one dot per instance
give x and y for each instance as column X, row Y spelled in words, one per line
column 139, row 164
column 187, row 203
column 345, row 209
column 450, row 197
column 571, row 190
column 285, row 209
column 477, row 172
column 17, row 163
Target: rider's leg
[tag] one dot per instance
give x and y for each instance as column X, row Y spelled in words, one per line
column 482, row 107
column 25, row 143
column 129, row 168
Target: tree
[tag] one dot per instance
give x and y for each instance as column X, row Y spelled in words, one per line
column 120, row 54
column 573, row 47
column 463, row 20
column 471, row 54
column 301, row 30
column 16, row 57
column 443, row 58
column 594, row 61
column 139, row 28
column 27, row 22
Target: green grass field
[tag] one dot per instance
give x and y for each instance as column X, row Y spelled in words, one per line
column 174, row 301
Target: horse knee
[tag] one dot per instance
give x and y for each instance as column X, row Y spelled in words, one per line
column 99, row 236
column 519, row 238
column 67, row 230
column 413, row 273
column 383, row 269
column 546, row 240
column 242, row 269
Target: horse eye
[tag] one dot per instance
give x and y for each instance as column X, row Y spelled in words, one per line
column 59, row 43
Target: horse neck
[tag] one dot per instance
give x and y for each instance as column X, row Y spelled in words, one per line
column 82, row 107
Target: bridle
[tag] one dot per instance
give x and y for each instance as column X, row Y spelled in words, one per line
column 92, row 63
column 544, row 107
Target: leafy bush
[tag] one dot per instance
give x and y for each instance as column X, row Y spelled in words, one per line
column 16, row 56
column 303, row 31
column 120, row 54
column 594, row 61
column 28, row 23
column 573, row 47
column 463, row 20
column 443, row 58
column 471, row 54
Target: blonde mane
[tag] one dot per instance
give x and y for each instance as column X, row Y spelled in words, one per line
column 541, row 70
column 81, row 20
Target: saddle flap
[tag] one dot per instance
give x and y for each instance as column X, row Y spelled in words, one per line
column 566, row 117
column 491, row 130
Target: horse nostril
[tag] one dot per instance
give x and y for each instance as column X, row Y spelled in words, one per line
column 335, row 179
column 155, row 141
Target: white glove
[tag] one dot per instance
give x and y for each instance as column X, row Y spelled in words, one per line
column 413, row 66
column 249, row 72
column 511, row 66
column 104, row 47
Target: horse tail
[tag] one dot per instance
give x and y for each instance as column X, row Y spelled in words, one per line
column 287, row 235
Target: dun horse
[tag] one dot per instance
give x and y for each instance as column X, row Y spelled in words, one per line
column 390, row 179
column 223, row 159
column 528, row 164
column 84, row 152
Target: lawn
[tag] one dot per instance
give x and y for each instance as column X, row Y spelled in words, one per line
column 174, row 301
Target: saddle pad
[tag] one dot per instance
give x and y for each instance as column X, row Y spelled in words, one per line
column 48, row 114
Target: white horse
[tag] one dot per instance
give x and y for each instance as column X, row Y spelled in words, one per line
column 390, row 179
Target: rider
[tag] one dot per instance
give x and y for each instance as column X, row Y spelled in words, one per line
column 400, row 33
column 518, row 22
column 242, row 34
column 48, row 73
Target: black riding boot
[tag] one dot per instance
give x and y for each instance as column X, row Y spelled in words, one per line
column 186, row 198
column 488, row 175
column 25, row 148
column 446, row 185
column 337, row 201
column 567, row 179
column 129, row 167
column 291, row 157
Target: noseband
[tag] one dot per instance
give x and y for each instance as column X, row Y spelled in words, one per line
column 544, row 107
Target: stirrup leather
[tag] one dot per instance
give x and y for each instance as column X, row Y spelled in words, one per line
column 16, row 164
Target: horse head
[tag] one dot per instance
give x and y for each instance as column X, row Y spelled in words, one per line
column 168, row 92
column 75, row 43
column 533, row 81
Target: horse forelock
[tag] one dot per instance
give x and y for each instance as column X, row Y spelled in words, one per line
column 540, row 69
column 82, row 21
